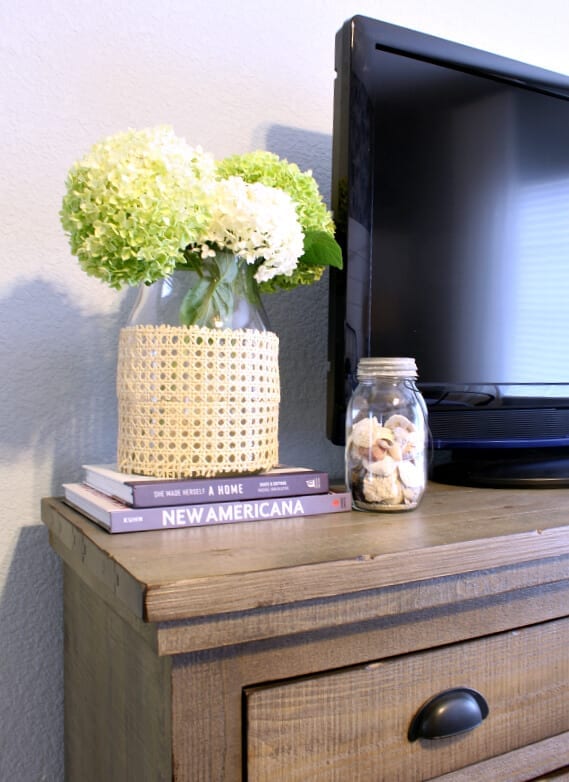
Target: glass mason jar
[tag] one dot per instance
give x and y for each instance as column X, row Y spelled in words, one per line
column 386, row 436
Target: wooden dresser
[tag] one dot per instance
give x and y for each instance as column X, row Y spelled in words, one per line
column 300, row 650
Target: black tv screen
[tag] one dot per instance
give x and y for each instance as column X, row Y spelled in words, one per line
column 451, row 197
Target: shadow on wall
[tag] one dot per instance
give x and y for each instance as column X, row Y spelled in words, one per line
column 300, row 318
column 308, row 149
column 31, row 677
column 57, row 386
column 58, row 380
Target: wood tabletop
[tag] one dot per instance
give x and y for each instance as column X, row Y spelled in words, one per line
column 237, row 567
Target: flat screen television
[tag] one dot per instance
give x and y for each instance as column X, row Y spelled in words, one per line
column 450, row 189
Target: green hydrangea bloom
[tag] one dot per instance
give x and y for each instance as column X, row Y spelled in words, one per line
column 134, row 202
column 313, row 215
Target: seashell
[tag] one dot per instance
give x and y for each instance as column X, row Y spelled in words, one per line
column 399, row 421
column 365, row 432
column 380, row 467
column 405, row 433
column 386, row 489
column 412, row 480
column 410, row 475
column 396, row 452
column 384, row 433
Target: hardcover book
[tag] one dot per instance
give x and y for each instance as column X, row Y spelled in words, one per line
column 139, row 491
column 115, row 516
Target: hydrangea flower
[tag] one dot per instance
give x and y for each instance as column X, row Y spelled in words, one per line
column 142, row 203
column 256, row 222
column 320, row 249
column 134, row 202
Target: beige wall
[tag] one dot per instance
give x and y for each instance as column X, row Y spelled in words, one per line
column 232, row 77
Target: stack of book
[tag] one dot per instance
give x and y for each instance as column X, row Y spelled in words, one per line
column 126, row 503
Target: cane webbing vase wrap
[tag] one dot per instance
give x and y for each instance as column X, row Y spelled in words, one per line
column 197, row 402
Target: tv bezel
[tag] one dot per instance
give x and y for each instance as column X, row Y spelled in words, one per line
column 356, row 43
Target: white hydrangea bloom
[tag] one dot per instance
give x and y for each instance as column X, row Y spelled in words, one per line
column 256, row 222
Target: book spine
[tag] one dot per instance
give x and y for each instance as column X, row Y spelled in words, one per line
column 197, row 491
column 132, row 520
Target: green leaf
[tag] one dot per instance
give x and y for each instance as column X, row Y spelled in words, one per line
column 196, row 303
column 227, row 266
column 222, row 302
column 321, row 249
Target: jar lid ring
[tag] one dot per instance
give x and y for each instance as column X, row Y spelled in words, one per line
column 387, row 366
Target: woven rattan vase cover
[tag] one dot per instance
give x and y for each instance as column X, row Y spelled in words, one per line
column 197, row 401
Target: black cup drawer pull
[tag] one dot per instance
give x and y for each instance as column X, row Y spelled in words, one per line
column 449, row 713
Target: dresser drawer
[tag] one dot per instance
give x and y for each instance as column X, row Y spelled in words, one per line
column 354, row 723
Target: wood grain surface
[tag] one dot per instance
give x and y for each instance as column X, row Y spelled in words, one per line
column 191, row 572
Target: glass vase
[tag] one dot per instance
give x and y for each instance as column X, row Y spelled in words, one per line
column 198, row 377
column 218, row 293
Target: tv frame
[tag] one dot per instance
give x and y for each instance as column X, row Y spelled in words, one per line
column 533, row 458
